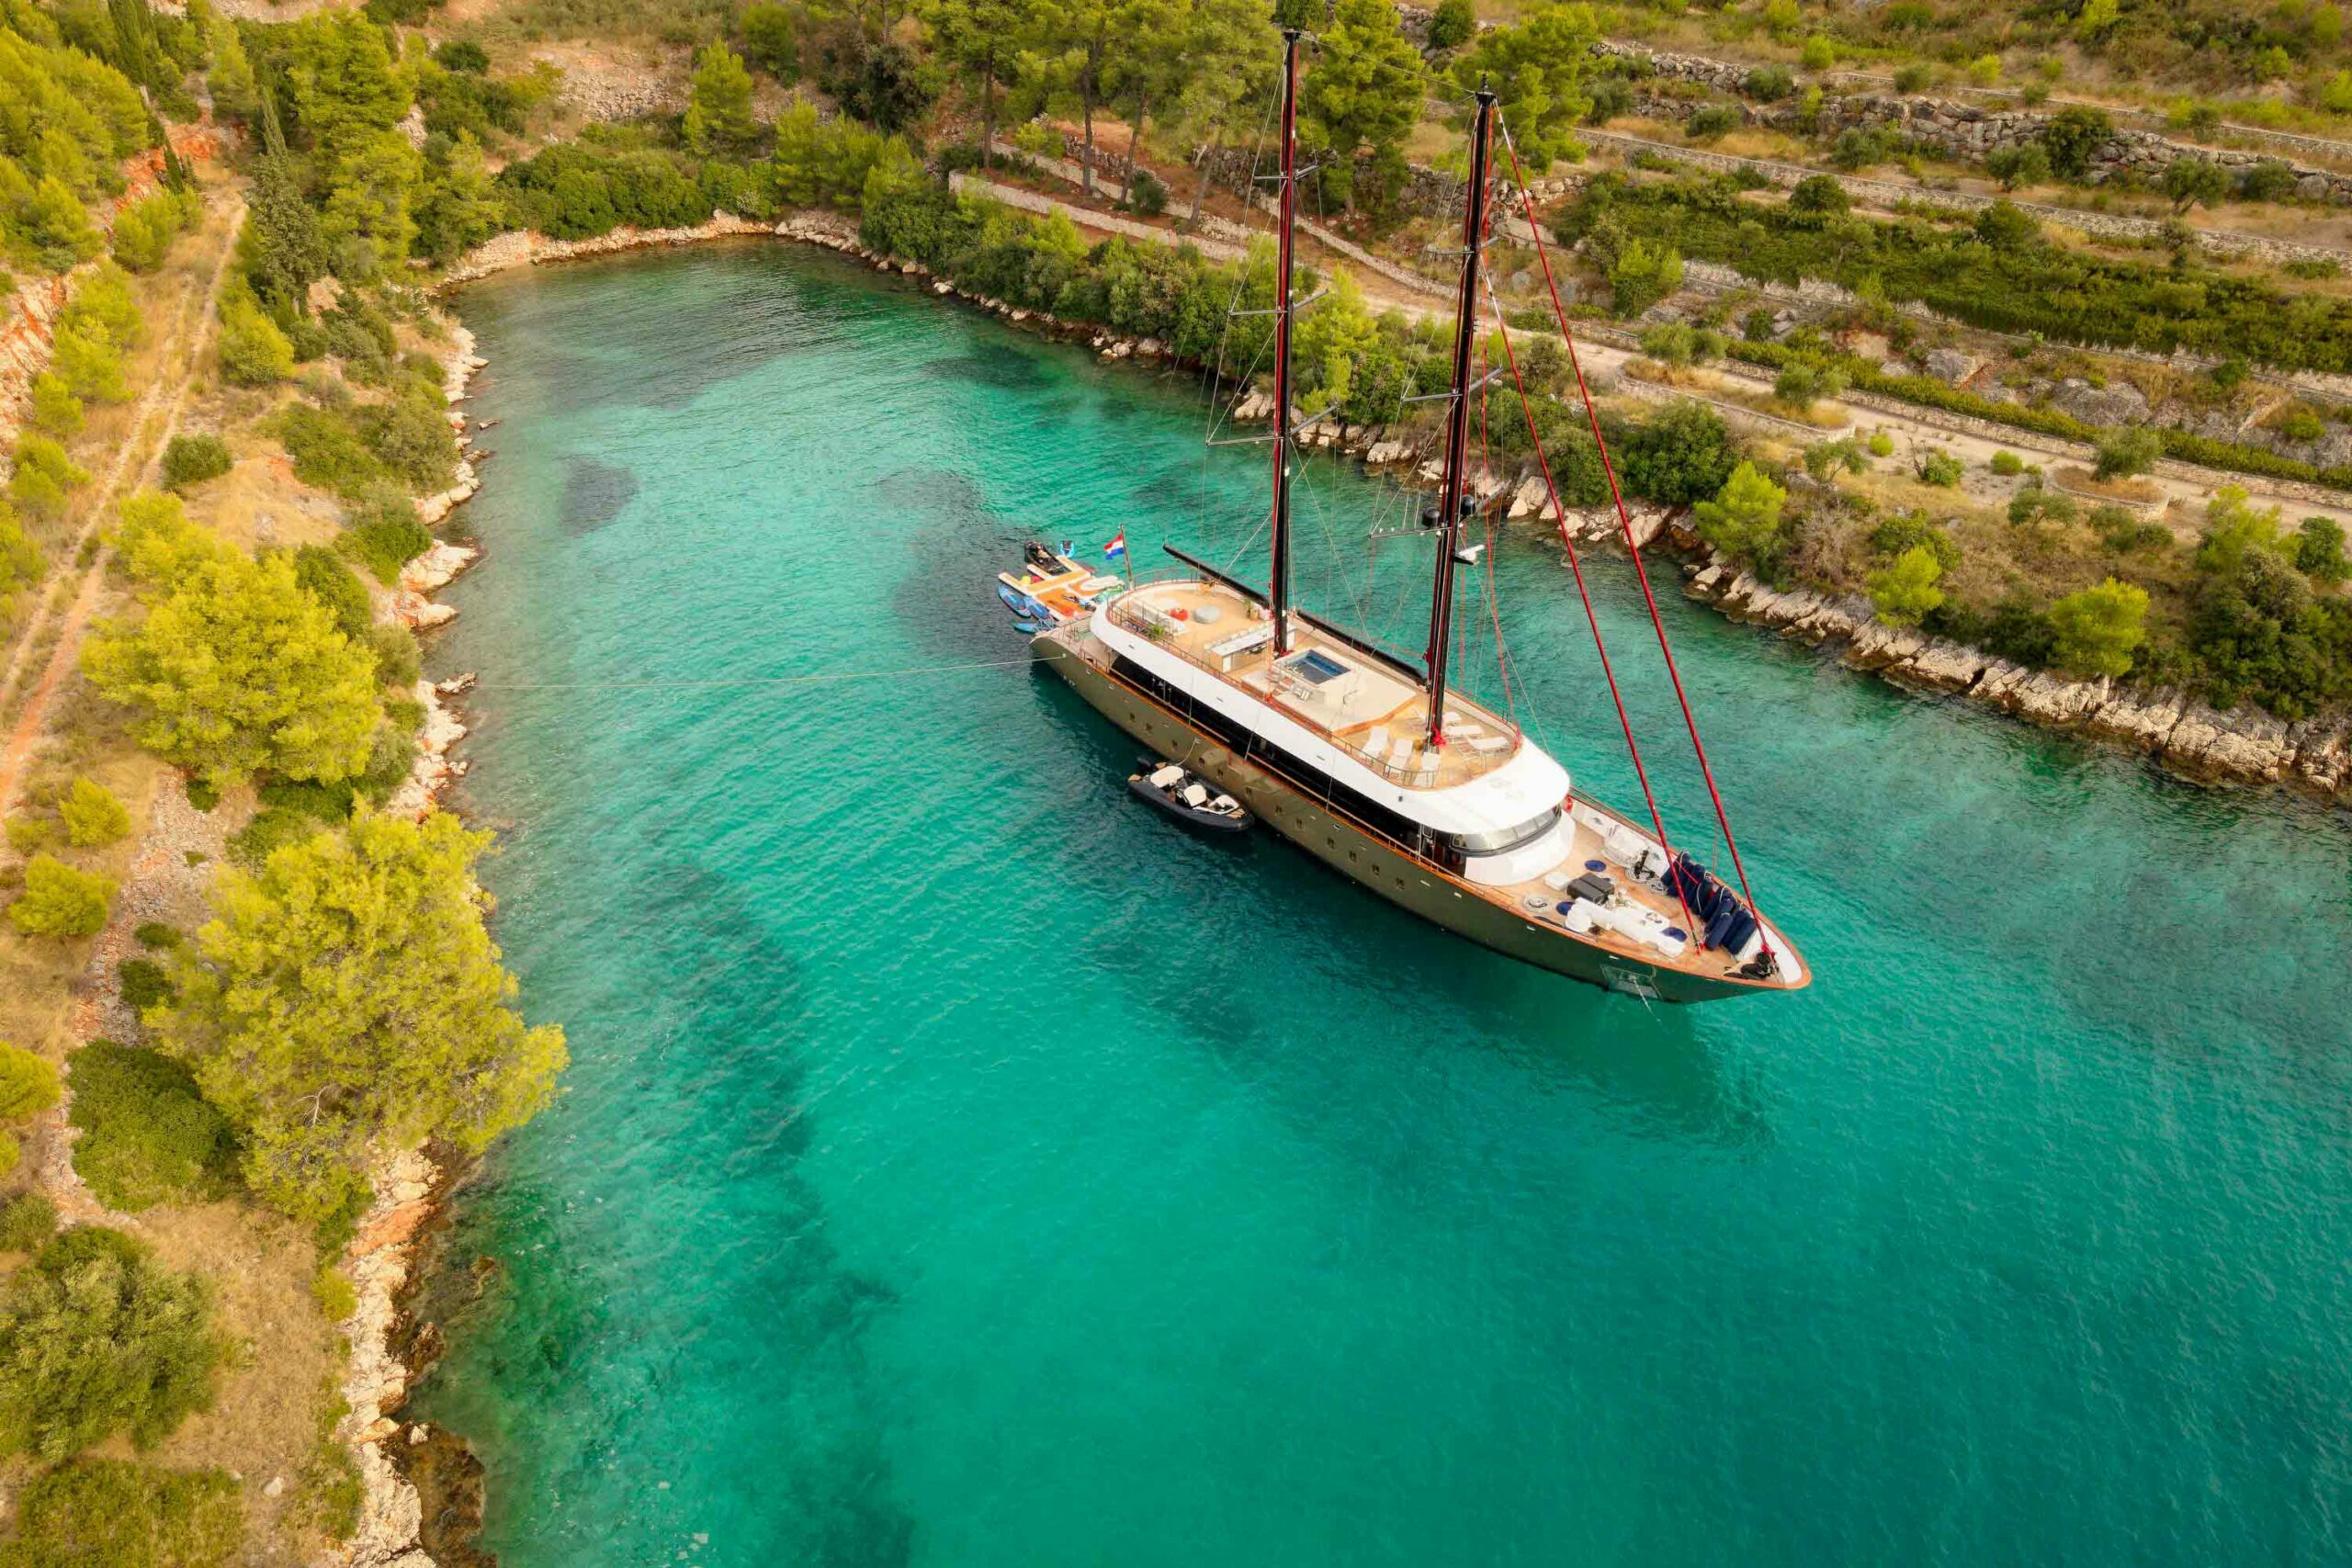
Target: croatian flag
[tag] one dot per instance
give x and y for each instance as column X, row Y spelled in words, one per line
column 1117, row 547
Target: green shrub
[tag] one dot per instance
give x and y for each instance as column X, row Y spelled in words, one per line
column 56, row 411
column 1820, row 195
column 94, row 1339
column 1881, row 443
column 2318, row 550
column 399, row 661
column 27, row 1222
column 2073, row 136
column 323, row 575
column 122, row 1515
column 2133, row 449
column 1680, row 455
column 192, row 459
column 1939, row 469
column 1904, row 592
column 28, row 1084
column 1710, row 123
column 154, row 934
column 2121, row 529
column 2269, row 180
column 1743, row 521
column 143, row 232
column 1147, row 195
column 93, row 817
column 332, row 1289
column 2034, row 505
column 1768, row 83
column 384, row 542
column 327, row 449
column 254, row 352
column 1453, row 23
column 2098, row 628
column 1643, row 275
column 142, row 983
column 10, row 1152
column 147, row 1135
column 58, row 901
column 2008, row 465
column 272, row 828
column 44, row 477
column 2022, row 164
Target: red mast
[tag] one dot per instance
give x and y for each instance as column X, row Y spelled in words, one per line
column 1279, row 590
column 1457, row 418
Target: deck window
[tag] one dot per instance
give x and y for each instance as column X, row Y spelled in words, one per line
column 1502, row 840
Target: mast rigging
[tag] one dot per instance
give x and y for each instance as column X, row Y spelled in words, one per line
column 1457, row 419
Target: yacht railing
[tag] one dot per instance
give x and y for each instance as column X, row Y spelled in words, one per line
column 1127, row 612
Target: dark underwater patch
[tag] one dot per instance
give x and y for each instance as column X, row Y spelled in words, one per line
column 999, row 364
column 595, row 495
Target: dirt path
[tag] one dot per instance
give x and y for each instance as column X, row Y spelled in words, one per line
column 191, row 334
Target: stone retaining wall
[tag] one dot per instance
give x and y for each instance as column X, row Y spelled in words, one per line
column 1964, row 131
column 1886, row 194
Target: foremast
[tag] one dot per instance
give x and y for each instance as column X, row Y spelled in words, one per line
column 1457, row 417
column 1277, row 587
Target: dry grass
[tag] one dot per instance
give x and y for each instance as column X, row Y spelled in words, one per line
column 266, row 1420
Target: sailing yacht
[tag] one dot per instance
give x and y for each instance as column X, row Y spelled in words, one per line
column 1372, row 764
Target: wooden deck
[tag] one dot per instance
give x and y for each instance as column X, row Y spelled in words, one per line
column 1371, row 710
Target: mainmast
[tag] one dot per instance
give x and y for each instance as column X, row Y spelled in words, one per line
column 1457, row 419
column 1278, row 594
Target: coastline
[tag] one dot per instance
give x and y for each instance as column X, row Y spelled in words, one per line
column 2186, row 738
column 412, row 1475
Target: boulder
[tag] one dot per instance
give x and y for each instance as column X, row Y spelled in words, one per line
column 1951, row 365
column 2118, row 403
column 1940, row 666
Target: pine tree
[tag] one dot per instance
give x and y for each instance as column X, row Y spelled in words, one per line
column 1362, row 95
column 718, row 116
column 240, row 670
column 350, row 996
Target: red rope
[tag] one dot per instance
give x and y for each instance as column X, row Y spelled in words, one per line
column 1625, row 521
column 1600, row 644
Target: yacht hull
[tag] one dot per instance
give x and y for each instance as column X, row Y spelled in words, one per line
column 1363, row 858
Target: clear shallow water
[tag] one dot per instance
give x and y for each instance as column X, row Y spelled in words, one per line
column 960, row 1165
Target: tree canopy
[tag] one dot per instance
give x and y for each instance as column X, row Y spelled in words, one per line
column 350, row 995
column 96, row 1338
column 240, row 669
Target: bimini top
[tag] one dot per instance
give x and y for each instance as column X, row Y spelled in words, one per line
column 1339, row 708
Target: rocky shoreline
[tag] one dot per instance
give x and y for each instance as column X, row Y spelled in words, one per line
column 420, row 1486
column 2197, row 742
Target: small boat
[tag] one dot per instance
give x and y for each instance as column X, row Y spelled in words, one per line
column 1183, row 796
column 1052, row 589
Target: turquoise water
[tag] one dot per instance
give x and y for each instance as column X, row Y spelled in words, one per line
column 961, row 1166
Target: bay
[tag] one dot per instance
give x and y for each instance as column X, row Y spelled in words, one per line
column 960, row 1165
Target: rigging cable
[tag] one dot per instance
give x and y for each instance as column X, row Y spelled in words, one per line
column 1625, row 522
column 1600, row 645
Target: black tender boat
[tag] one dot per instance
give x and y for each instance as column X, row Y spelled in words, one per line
column 1187, row 797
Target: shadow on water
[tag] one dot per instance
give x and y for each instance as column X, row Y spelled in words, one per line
column 955, row 543
column 594, row 495
column 1646, row 1062
column 1002, row 366
column 791, row 1323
